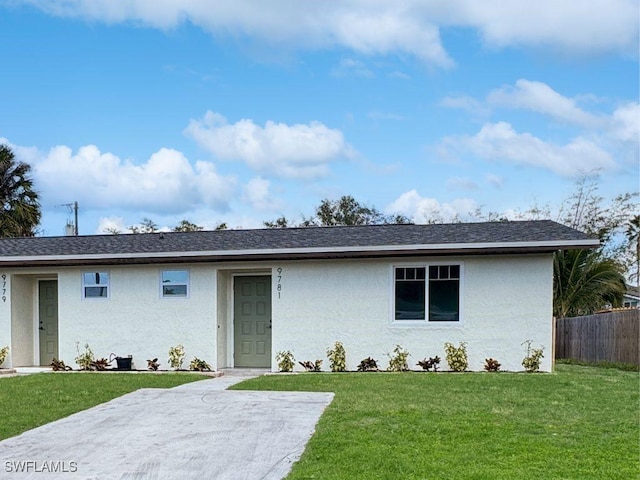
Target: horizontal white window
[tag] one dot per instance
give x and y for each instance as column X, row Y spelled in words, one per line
column 174, row 283
column 427, row 293
column 95, row 284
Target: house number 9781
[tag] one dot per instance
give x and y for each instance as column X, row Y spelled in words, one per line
column 279, row 282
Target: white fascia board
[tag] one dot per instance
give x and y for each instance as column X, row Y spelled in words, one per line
column 559, row 244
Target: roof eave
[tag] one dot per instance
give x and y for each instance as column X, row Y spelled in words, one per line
column 300, row 253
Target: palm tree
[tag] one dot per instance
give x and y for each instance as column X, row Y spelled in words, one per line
column 585, row 281
column 633, row 236
column 20, row 213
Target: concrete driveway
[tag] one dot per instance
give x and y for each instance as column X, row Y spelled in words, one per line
column 194, row 431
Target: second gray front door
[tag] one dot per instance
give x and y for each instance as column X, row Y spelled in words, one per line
column 252, row 321
column 48, row 320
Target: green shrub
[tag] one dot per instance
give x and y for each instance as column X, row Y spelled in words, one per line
column 199, row 365
column 531, row 361
column 85, row 359
column 398, row 361
column 285, row 361
column 176, row 357
column 457, row 356
column 337, row 358
column 4, row 351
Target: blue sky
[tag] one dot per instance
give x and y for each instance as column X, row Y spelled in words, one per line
column 240, row 112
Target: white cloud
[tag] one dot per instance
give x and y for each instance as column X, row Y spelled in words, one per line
column 370, row 28
column 293, row 151
column 377, row 27
column 540, row 97
column 602, row 137
column 499, row 141
column 625, row 123
column 111, row 224
column 593, row 27
column 257, row 194
column 429, row 210
column 166, row 182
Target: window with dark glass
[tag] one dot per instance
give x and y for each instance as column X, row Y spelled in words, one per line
column 409, row 293
column 95, row 284
column 444, row 293
column 427, row 293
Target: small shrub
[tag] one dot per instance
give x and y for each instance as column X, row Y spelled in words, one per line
column 85, row 359
column 427, row 365
column 59, row 365
column 531, row 361
column 368, row 365
column 100, row 364
column 153, row 364
column 176, row 357
column 199, row 365
column 312, row 366
column 398, row 361
column 457, row 356
column 4, row 351
column 285, row 361
column 337, row 358
column 491, row 365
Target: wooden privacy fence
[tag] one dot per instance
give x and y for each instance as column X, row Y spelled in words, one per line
column 609, row 337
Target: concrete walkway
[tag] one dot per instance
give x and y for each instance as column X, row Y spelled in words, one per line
column 194, row 431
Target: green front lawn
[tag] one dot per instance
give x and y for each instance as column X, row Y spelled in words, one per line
column 33, row 400
column 579, row 423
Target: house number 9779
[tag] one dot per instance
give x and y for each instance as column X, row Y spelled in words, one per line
column 279, row 282
column 4, row 287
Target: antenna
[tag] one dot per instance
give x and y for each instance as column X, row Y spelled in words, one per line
column 73, row 207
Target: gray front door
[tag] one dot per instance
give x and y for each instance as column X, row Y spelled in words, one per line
column 48, row 321
column 252, row 321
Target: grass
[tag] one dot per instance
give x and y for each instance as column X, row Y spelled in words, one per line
column 579, row 423
column 33, row 400
column 630, row 367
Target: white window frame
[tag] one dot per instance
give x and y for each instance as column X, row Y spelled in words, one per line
column 187, row 284
column 426, row 321
column 106, row 285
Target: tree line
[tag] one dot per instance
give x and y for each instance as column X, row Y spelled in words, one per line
column 584, row 280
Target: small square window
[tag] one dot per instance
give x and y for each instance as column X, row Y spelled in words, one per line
column 95, row 285
column 175, row 283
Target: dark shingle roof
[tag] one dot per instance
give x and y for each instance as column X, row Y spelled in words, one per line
column 316, row 242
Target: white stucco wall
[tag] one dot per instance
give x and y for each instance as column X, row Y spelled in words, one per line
column 135, row 320
column 505, row 301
